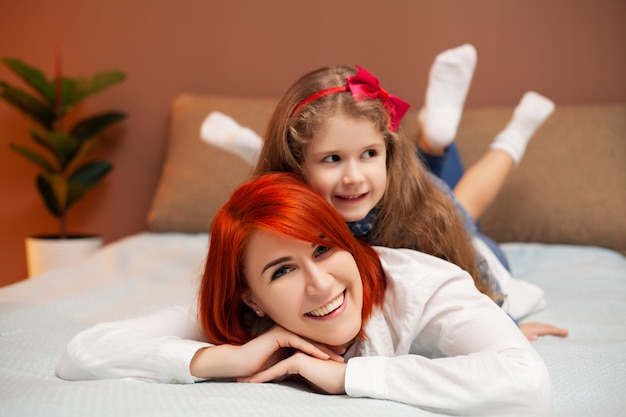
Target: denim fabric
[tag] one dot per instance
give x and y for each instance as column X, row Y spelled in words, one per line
column 472, row 230
column 448, row 166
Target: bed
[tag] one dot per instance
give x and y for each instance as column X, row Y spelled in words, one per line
column 573, row 249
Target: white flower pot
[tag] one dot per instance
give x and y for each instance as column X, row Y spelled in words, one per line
column 48, row 252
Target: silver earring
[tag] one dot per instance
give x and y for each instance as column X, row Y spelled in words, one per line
column 258, row 312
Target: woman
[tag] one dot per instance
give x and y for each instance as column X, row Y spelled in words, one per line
column 284, row 271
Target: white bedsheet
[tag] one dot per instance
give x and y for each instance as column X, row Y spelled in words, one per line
column 585, row 290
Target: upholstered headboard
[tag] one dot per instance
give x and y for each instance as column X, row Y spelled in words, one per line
column 569, row 188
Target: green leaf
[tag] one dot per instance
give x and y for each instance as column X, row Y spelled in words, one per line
column 84, row 149
column 85, row 87
column 47, row 193
column 35, row 157
column 42, row 139
column 68, row 88
column 84, row 178
column 91, row 173
column 59, row 187
column 75, row 192
column 92, row 126
column 32, row 76
column 31, row 106
column 65, row 147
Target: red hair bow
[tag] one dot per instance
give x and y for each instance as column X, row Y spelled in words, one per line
column 365, row 85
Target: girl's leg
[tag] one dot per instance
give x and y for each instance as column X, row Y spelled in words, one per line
column 471, row 227
column 482, row 182
column 447, row 166
column 448, row 83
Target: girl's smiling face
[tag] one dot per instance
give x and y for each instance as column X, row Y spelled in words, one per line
column 312, row 290
column 345, row 162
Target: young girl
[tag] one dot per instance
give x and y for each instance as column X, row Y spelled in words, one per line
column 398, row 204
column 391, row 201
column 284, row 271
column 338, row 129
column 449, row 80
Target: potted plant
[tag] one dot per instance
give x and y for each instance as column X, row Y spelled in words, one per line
column 62, row 151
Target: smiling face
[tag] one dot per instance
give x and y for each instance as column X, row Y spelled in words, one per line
column 311, row 290
column 345, row 162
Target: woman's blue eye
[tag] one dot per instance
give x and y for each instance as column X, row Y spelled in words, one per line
column 331, row 158
column 283, row 270
column 320, row 250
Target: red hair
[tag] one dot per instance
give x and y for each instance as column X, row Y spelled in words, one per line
column 276, row 203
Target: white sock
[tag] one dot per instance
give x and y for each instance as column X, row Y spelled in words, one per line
column 223, row 131
column 449, row 80
column 529, row 114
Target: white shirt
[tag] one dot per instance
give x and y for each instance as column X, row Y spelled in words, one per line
column 437, row 343
column 522, row 297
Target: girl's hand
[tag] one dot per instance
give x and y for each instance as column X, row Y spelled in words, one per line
column 532, row 330
column 231, row 361
column 326, row 376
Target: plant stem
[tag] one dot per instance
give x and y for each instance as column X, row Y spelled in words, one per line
column 58, row 93
column 63, row 225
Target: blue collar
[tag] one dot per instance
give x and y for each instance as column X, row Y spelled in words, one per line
column 363, row 227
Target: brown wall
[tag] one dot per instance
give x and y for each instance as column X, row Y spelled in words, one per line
column 570, row 50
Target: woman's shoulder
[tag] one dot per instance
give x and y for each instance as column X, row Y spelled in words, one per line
column 419, row 287
column 414, row 275
column 400, row 262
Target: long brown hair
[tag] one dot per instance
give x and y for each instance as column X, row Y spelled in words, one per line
column 277, row 203
column 414, row 213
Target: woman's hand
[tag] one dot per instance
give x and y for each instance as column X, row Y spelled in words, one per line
column 231, row 361
column 532, row 330
column 326, row 376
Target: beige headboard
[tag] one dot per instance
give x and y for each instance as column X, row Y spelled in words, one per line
column 569, row 188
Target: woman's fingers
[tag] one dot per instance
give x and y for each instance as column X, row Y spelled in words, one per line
column 324, row 375
column 276, row 372
column 260, row 353
column 287, row 339
column 333, row 356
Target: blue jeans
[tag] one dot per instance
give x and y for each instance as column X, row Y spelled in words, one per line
column 449, row 168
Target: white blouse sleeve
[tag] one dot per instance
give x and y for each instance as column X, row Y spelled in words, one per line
column 157, row 347
column 465, row 356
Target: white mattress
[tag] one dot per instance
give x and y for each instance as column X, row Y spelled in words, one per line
column 585, row 292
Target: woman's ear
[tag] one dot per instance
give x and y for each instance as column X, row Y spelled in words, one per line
column 248, row 299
